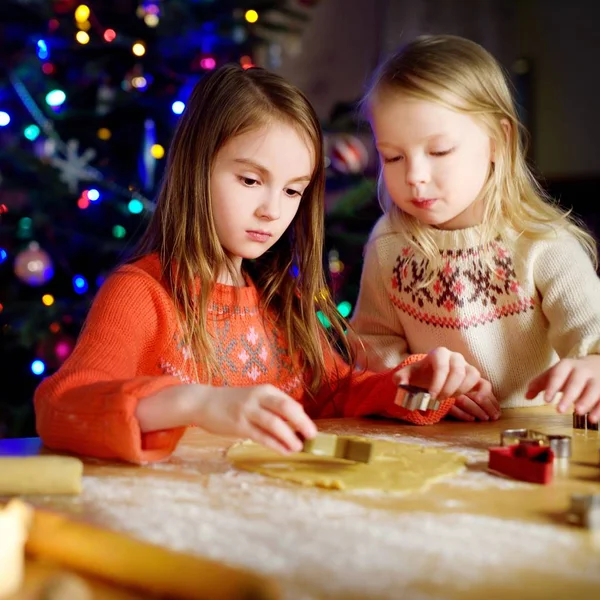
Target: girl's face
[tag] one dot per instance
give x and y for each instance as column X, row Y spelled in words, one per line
column 256, row 187
column 435, row 160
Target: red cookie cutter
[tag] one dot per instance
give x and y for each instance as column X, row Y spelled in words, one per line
column 526, row 462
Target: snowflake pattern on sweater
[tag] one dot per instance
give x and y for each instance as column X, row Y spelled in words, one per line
column 250, row 355
column 472, row 287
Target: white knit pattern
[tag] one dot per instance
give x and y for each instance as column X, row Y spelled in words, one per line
column 512, row 317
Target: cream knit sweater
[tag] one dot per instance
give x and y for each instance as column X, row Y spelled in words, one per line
column 511, row 317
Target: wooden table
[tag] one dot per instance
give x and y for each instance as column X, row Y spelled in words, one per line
column 475, row 535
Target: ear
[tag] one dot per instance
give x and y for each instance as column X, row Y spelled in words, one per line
column 507, row 129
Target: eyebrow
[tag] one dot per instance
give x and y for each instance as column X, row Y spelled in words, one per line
column 264, row 171
column 426, row 139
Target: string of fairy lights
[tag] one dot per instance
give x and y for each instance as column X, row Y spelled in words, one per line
column 34, row 266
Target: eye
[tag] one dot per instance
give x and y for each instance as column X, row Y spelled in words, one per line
column 249, row 181
column 442, row 152
column 293, row 193
column 394, row 159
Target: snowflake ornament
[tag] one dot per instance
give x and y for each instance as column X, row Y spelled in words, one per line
column 74, row 167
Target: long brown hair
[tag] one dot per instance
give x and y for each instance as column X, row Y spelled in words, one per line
column 461, row 75
column 289, row 277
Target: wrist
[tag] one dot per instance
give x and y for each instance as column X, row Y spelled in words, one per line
column 191, row 403
column 173, row 406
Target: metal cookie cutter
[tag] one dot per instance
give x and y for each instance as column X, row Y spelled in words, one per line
column 585, row 510
column 412, row 397
column 581, row 422
column 559, row 444
column 339, row 446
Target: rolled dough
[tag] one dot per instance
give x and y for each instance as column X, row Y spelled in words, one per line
column 396, row 467
column 40, row 475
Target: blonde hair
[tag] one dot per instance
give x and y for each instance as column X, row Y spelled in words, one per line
column 226, row 103
column 460, row 75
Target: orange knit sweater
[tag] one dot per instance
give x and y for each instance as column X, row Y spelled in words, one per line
column 130, row 348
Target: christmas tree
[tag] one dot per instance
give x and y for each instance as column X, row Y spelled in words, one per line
column 90, row 93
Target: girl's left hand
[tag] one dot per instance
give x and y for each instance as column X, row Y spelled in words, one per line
column 579, row 381
column 479, row 404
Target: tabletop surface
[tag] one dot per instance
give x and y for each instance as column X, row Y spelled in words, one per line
column 473, row 535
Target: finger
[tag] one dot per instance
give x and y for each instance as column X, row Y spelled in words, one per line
column 471, row 379
column 405, row 375
column 456, row 375
column 471, row 407
column 275, row 426
column 402, row 376
column 486, row 404
column 557, row 378
column 484, row 389
column 460, row 414
column 291, row 411
column 537, row 385
column 589, row 398
column 440, row 365
column 573, row 390
column 258, row 435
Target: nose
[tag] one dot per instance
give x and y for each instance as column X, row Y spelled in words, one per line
column 269, row 208
column 417, row 171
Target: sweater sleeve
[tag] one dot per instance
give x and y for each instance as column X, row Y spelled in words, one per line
column 347, row 393
column 376, row 334
column 570, row 293
column 88, row 406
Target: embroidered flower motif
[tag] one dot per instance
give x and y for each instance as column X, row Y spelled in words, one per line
column 254, row 373
column 252, row 336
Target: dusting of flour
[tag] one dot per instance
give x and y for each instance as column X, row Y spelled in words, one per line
column 323, row 545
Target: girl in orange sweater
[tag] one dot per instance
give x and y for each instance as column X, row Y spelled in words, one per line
column 214, row 322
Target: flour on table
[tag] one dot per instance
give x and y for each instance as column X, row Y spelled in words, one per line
column 324, row 545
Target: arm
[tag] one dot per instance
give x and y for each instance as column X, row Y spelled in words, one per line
column 89, row 405
column 569, row 289
column 347, row 393
column 375, row 322
column 570, row 296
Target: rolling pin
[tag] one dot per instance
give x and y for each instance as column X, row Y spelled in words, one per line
column 125, row 561
column 15, row 519
column 40, row 475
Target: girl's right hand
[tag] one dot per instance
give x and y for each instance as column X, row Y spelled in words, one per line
column 262, row 413
column 442, row 373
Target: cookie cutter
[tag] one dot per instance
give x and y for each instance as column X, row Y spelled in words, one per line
column 412, row 397
column 339, row 446
column 525, row 462
column 560, row 444
column 582, row 422
column 585, row 510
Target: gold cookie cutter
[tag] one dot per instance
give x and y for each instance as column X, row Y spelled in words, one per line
column 582, row 422
column 330, row 445
column 559, row 444
column 412, row 397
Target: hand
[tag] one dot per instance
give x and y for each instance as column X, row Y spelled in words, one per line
column 479, row 404
column 579, row 381
column 442, row 373
column 262, row 413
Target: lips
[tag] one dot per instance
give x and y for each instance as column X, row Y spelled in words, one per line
column 258, row 235
column 424, row 202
